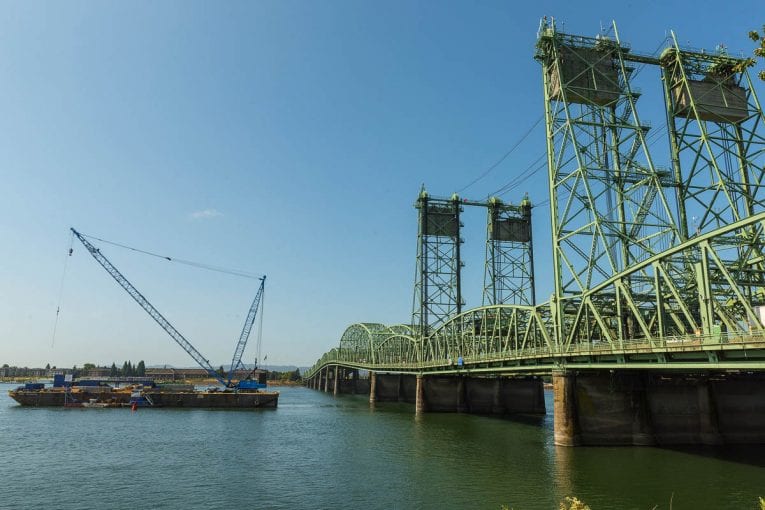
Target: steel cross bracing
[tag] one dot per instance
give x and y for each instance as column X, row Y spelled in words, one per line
column 718, row 144
column 608, row 204
column 653, row 268
column 509, row 270
column 437, row 287
column 514, row 338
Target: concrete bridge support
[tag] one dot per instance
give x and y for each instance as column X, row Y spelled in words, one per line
column 633, row 407
column 444, row 393
column 372, row 387
column 395, row 388
column 565, row 423
column 351, row 384
column 339, row 380
column 419, row 401
column 483, row 395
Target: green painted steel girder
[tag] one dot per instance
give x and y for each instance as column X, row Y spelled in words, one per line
column 653, row 269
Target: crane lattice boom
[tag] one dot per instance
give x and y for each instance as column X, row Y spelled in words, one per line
column 153, row 312
column 239, row 351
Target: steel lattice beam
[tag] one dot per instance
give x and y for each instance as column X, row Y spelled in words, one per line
column 652, row 267
column 509, row 269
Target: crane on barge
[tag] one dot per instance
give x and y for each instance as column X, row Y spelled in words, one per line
column 203, row 362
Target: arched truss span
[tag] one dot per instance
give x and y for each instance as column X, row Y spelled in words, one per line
column 491, row 331
column 700, row 288
column 397, row 350
column 371, row 343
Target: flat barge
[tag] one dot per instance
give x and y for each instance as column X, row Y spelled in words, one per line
column 172, row 395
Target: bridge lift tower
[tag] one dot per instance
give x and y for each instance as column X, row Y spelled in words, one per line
column 717, row 137
column 509, row 273
column 437, row 286
column 608, row 203
column 634, row 247
column 509, row 269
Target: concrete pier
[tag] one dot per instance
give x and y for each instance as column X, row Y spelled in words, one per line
column 442, row 393
column 565, row 422
column 419, row 401
column 658, row 408
column 372, row 387
column 591, row 407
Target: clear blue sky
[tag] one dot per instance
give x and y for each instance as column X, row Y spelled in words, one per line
column 281, row 137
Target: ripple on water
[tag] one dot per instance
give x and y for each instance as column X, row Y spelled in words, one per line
column 316, row 451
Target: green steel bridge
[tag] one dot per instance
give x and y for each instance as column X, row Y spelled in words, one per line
column 653, row 268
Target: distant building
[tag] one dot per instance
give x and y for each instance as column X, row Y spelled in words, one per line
column 96, row 372
column 23, row 372
column 179, row 374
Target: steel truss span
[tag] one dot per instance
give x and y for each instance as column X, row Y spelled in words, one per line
column 652, row 267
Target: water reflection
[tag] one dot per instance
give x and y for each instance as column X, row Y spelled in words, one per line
column 316, row 451
column 753, row 455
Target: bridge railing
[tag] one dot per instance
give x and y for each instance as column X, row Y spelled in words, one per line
column 552, row 355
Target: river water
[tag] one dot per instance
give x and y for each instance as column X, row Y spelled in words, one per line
column 320, row 452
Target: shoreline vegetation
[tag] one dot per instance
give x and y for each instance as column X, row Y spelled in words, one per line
column 197, row 382
column 273, row 378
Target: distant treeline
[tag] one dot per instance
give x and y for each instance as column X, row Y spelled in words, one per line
column 127, row 370
column 290, row 375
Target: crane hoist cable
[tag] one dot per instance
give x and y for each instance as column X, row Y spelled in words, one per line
column 200, row 265
column 61, row 290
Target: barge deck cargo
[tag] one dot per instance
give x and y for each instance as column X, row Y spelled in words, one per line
column 157, row 396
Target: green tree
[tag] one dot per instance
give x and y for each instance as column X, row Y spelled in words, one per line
column 124, row 371
column 221, row 372
column 113, row 370
column 140, row 369
column 88, row 366
column 47, row 367
column 295, row 376
column 759, row 52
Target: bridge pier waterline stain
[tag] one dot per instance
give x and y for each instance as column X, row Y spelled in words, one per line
column 591, row 407
column 441, row 393
column 645, row 408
